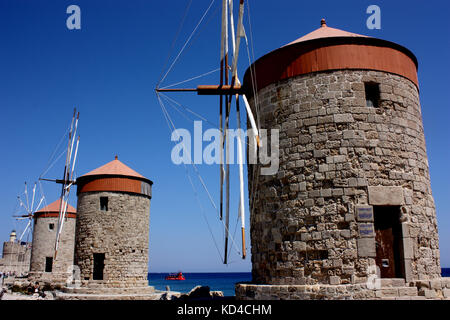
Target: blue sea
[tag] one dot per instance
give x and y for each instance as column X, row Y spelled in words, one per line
column 216, row 281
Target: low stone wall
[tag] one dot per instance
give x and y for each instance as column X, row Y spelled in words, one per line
column 432, row 289
column 390, row 289
column 105, row 290
column 51, row 278
column 114, row 283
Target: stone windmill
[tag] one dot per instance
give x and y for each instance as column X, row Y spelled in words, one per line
column 350, row 214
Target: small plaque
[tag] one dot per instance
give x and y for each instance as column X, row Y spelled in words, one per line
column 364, row 213
column 366, row 230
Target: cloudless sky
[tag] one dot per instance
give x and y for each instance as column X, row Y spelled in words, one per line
column 108, row 70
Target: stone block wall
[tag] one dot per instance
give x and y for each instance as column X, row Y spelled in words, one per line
column 336, row 155
column 121, row 233
column 16, row 258
column 388, row 289
column 44, row 238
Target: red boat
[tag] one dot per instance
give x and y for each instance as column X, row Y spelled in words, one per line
column 175, row 276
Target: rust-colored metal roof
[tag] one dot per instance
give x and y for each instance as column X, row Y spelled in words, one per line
column 54, row 207
column 115, row 177
column 326, row 32
column 116, row 168
column 328, row 49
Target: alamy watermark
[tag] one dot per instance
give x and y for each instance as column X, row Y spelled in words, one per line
column 374, row 20
column 74, row 276
column 267, row 154
column 373, row 279
column 74, row 20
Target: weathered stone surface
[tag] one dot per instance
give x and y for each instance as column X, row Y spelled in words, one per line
column 429, row 294
column 121, row 233
column 44, row 238
column 334, row 280
column 386, row 196
column 446, row 293
column 366, row 247
column 332, row 292
column 16, row 258
column 358, row 156
column 408, row 248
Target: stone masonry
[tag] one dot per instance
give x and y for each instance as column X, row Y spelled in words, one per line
column 338, row 157
column 44, row 237
column 121, row 233
column 16, row 257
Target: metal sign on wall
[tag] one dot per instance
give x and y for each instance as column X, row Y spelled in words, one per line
column 364, row 213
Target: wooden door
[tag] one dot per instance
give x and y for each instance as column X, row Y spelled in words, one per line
column 385, row 252
column 388, row 240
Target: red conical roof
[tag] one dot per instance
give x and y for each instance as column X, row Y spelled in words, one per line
column 54, row 207
column 327, row 49
column 326, row 32
column 114, row 177
column 114, row 167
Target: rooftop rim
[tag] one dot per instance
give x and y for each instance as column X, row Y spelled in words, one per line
column 310, row 45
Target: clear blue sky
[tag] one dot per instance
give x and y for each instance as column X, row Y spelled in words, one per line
column 109, row 69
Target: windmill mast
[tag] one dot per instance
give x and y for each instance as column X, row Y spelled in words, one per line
column 68, row 177
column 226, row 90
column 227, row 143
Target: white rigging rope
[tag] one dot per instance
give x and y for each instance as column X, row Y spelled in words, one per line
column 172, row 128
column 193, row 164
column 251, row 59
column 175, row 103
column 187, row 109
column 48, row 165
column 167, row 117
column 186, row 43
column 191, row 79
column 52, row 164
column 203, row 212
column 175, row 40
column 252, row 66
column 255, row 124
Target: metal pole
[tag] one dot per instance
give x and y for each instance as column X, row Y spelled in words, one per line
column 241, row 177
column 227, row 150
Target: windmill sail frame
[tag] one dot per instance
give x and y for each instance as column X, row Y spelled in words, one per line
column 226, row 90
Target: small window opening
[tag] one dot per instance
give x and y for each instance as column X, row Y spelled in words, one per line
column 104, row 203
column 48, row 264
column 51, row 226
column 372, row 94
